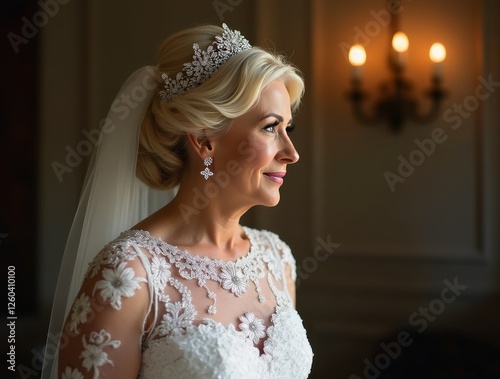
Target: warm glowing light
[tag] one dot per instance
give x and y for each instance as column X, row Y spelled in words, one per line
column 357, row 55
column 400, row 42
column 437, row 53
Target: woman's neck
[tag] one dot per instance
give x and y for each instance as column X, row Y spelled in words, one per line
column 193, row 221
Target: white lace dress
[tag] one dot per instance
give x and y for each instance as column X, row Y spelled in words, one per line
column 186, row 316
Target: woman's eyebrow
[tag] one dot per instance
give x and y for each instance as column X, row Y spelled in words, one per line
column 272, row 114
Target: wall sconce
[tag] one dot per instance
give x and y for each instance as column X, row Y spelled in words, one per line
column 396, row 104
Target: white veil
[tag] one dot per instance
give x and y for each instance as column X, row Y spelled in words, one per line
column 113, row 200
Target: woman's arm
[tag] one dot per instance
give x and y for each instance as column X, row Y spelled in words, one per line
column 290, row 282
column 103, row 332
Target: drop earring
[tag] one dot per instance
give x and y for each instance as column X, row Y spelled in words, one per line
column 206, row 172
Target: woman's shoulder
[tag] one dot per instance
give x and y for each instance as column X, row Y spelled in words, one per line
column 125, row 248
column 269, row 239
column 134, row 240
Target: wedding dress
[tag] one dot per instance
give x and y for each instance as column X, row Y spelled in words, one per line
column 207, row 318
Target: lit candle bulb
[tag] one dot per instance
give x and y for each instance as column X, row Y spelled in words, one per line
column 400, row 44
column 357, row 58
column 437, row 53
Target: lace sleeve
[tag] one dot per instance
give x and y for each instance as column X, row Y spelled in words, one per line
column 288, row 264
column 287, row 259
column 104, row 328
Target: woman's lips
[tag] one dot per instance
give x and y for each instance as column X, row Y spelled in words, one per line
column 275, row 176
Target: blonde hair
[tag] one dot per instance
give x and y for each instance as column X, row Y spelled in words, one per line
column 207, row 109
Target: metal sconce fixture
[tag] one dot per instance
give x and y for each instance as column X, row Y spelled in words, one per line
column 396, row 104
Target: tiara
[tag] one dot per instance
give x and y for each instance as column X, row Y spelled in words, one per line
column 205, row 63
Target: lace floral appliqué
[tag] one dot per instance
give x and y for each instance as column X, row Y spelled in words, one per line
column 178, row 316
column 93, row 355
column 70, row 373
column 252, row 327
column 160, row 271
column 117, row 283
column 80, row 311
column 233, row 279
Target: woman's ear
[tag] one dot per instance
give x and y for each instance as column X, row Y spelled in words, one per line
column 201, row 145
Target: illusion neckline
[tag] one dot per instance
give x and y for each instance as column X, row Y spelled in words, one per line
column 201, row 258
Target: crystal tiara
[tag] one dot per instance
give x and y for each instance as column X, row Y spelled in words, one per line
column 205, row 63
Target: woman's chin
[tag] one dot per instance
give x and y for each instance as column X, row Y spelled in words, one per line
column 271, row 201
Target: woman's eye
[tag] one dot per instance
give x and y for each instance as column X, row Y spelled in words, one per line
column 270, row 127
column 290, row 128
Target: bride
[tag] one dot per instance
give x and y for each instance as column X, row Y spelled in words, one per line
column 186, row 291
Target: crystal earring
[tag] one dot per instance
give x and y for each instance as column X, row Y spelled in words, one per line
column 206, row 172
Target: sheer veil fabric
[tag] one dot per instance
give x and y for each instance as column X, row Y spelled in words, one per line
column 113, row 199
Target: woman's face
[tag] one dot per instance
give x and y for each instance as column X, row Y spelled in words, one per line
column 253, row 155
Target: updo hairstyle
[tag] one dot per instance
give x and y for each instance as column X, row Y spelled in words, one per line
column 206, row 110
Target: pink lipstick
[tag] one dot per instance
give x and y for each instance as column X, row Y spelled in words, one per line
column 276, row 176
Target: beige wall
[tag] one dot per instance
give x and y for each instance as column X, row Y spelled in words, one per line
column 396, row 248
